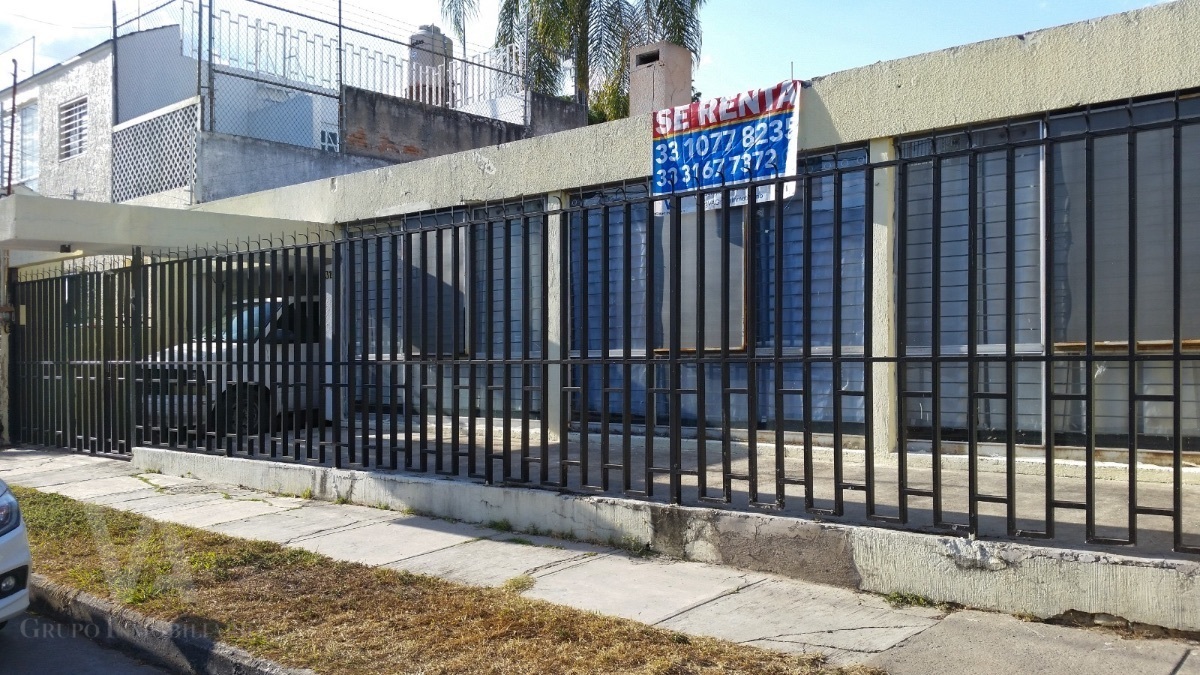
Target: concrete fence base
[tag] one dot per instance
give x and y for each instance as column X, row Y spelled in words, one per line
column 1004, row 576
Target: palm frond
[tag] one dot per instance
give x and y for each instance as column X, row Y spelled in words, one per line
column 458, row 12
column 510, row 23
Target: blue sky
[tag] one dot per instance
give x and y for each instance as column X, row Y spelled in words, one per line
column 746, row 44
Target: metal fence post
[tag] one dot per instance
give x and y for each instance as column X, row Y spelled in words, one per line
column 886, row 408
column 137, row 297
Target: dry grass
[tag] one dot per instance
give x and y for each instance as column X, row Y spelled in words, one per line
column 305, row 610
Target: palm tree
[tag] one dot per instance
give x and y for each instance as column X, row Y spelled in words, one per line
column 594, row 35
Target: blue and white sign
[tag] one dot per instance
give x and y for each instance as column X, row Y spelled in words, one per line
column 725, row 141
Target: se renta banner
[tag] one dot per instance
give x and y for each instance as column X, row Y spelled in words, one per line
column 724, row 141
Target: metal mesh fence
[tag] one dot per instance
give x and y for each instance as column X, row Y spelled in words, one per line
column 276, row 74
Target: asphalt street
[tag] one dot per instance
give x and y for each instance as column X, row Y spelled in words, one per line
column 33, row 645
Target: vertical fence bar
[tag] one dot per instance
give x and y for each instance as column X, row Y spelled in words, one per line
column 337, row 373
column 837, row 346
column 397, row 264
column 1010, row 341
column 1050, row 364
column 651, row 377
column 379, row 367
column 935, row 336
column 806, row 322
column 583, row 337
column 701, row 345
column 1090, row 332
column 544, row 347
column 605, row 346
column 777, row 338
column 676, row 337
column 135, row 389
column 1134, row 367
column 975, row 229
column 529, row 294
column 443, row 352
column 506, row 325
column 1177, row 333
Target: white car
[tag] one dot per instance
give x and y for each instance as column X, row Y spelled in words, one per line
column 14, row 558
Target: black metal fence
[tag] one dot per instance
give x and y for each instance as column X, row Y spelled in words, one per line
column 1007, row 304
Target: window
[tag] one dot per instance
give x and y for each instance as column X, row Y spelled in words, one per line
column 628, row 228
column 507, row 275
column 1058, row 236
column 728, row 258
column 300, row 322
column 507, row 300
column 329, row 140
column 1115, row 199
column 72, row 128
column 25, row 147
column 710, row 234
column 957, row 192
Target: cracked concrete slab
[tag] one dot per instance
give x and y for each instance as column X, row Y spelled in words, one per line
column 1189, row 664
column 287, row 527
column 155, row 502
column 98, row 487
column 18, row 462
column 786, row 616
column 213, row 511
column 380, row 543
column 48, row 477
column 164, row 481
column 996, row 643
column 491, row 562
column 118, row 498
column 646, row 590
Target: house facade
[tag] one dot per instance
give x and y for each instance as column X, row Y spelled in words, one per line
column 195, row 102
column 966, row 312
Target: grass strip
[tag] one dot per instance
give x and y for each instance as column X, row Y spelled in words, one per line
column 306, row 610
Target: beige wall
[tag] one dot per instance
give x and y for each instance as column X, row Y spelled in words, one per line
column 1147, row 51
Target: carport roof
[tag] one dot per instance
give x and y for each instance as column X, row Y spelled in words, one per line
column 32, row 223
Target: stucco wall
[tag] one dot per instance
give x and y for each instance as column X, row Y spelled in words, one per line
column 86, row 176
column 400, row 130
column 550, row 115
column 235, row 165
column 535, row 166
column 1147, row 51
column 152, row 56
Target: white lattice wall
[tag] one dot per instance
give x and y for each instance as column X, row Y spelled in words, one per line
column 155, row 154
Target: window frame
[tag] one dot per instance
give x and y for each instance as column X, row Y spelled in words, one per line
column 73, row 121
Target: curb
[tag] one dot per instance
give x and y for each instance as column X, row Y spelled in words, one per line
column 161, row 643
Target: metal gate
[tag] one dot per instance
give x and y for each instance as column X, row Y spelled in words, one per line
column 70, row 358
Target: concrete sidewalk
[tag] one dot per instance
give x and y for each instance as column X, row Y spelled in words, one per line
column 746, row 607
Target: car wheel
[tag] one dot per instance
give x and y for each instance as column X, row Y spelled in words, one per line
column 246, row 412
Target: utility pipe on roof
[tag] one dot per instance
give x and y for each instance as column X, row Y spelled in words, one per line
column 12, row 130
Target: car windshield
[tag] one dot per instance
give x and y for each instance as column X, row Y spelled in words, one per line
column 240, row 324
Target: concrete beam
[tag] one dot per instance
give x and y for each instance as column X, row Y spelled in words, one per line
column 29, row 223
